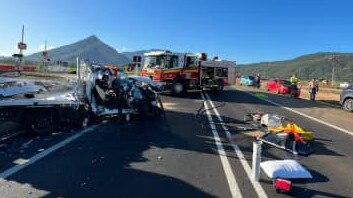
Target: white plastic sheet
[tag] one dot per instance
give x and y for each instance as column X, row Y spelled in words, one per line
column 287, row 169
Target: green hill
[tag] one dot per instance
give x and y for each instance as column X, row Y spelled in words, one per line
column 317, row 65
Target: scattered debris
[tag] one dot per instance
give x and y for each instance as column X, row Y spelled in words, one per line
column 20, row 161
column 85, row 122
column 282, row 185
column 286, row 169
column 3, row 147
column 56, row 133
column 26, row 144
column 105, row 121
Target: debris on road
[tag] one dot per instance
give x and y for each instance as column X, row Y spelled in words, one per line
column 282, row 133
column 26, row 144
column 286, row 169
column 282, row 185
column 21, row 161
column 3, row 147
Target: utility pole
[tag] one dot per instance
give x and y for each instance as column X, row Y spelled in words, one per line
column 333, row 59
column 19, row 57
column 45, row 57
column 21, row 52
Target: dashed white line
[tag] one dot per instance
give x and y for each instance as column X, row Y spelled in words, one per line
column 15, row 169
column 257, row 186
column 232, row 183
column 300, row 113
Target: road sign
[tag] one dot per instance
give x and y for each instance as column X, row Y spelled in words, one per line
column 22, row 46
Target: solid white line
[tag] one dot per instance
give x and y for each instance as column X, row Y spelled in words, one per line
column 257, row 186
column 232, row 183
column 300, row 113
column 33, row 159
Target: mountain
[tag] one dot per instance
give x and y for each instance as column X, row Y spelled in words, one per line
column 4, row 57
column 91, row 48
column 318, row 65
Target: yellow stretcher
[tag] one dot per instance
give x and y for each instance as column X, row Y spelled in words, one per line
column 298, row 132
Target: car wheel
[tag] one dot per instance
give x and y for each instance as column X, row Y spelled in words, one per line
column 44, row 122
column 348, row 104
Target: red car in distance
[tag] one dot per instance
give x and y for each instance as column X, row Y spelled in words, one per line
column 282, row 87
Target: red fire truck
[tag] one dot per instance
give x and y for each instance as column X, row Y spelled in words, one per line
column 179, row 72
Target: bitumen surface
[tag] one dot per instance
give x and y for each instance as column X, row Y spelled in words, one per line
column 174, row 156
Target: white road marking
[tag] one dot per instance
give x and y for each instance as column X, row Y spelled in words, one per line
column 232, row 183
column 15, row 169
column 300, row 113
column 257, row 186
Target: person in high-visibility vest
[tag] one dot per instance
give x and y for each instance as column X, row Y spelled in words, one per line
column 294, row 82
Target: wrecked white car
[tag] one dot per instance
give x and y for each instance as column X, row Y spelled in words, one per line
column 43, row 107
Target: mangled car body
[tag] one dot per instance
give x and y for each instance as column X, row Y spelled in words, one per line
column 44, row 107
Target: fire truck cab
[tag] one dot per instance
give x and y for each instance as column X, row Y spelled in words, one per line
column 179, row 72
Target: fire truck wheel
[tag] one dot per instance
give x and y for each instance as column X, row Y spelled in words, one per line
column 220, row 85
column 179, row 87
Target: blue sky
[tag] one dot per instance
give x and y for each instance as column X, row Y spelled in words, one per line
column 245, row 31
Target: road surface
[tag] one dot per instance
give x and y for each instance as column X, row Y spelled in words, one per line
column 180, row 155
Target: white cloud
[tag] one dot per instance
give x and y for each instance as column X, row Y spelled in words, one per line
column 122, row 49
column 42, row 47
column 5, row 54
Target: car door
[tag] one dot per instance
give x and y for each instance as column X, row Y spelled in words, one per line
column 272, row 84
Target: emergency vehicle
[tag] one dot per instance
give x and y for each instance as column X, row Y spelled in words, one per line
column 179, row 72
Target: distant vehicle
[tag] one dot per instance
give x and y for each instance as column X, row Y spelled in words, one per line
column 344, row 85
column 281, row 87
column 248, row 80
column 346, row 98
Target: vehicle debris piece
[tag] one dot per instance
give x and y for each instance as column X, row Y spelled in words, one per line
column 282, row 185
column 21, row 161
column 26, row 144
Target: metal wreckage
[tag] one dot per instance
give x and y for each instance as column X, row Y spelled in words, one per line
column 99, row 91
column 282, row 133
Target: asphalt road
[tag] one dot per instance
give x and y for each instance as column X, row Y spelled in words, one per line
column 175, row 156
